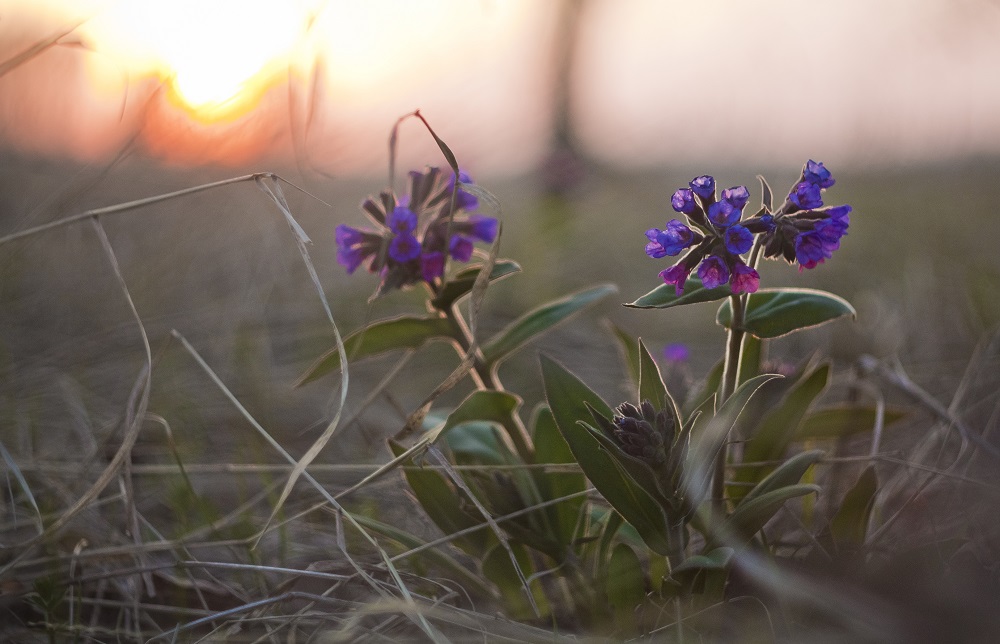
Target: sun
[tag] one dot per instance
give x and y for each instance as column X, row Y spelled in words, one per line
column 217, row 56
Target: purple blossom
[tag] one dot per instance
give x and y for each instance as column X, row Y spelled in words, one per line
column 482, row 228
column 676, row 275
column 431, row 266
column 354, row 246
column 401, row 220
column 703, row 186
column 817, row 174
column 683, row 201
column 464, row 200
column 738, row 196
column 404, row 248
column 738, row 239
column 810, row 250
column 745, row 279
column 460, row 248
column 713, row 272
column 674, row 238
column 722, row 214
column 676, row 352
column 806, row 195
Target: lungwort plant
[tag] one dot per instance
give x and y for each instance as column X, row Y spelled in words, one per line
column 682, row 488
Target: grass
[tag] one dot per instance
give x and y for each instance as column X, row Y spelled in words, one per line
column 143, row 498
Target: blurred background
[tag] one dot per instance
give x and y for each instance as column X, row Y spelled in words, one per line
column 582, row 116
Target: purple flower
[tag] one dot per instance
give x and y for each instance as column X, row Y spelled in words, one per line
column 431, row 266
column 738, row 196
column 482, row 228
column 404, row 248
column 401, row 220
column 816, row 174
column 683, row 201
column 810, row 250
column 738, row 239
column 669, row 241
column 676, row 275
column 703, row 186
column 464, row 200
column 713, row 272
column 806, row 195
column 722, row 214
column 354, row 246
column 460, row 248
column 676, row 352
column 745, row 279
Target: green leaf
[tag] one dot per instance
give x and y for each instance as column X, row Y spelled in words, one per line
column 849, row 527
column 630, row 351
column 777, row 430
column 478, row 443
column 407, row 332
column 568, row 399
column 748, row 518
column 698, row 396
column 710, row 434
column 840, row 421
column 750, row 358
column 651, row 385
column 788, row 473
column 774, row 312
column 717, row 559
column 665, row 297
column 498, row 568
column 460, row 285
column 626, row 585
column 550, row 447
column 442, row 503
column 435, row 555
column 540, row 320
column 473, row 422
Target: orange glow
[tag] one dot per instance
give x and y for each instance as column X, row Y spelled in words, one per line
column 218, row 56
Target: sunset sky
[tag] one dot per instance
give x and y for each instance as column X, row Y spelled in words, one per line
column 653, row 82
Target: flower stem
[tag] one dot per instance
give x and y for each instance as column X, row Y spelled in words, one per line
column 486, row 380
column 730, row 374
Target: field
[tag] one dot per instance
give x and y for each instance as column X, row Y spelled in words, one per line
column 185, row 529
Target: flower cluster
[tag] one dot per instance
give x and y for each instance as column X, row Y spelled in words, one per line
column 716, row 235
column 417, row 232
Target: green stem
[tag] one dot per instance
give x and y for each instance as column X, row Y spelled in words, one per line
column 486, row 380
column 730, row 374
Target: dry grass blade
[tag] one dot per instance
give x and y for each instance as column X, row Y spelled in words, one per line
column 16, row 471
column 38, row 48
column 135, row 412
column 274, row 191
column 404, row 591
column 457, row 480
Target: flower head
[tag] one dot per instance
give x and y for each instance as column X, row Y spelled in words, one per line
column 713, row 272
column 738, row 239
column 703, row 186
column 806, row 195
column 676, row 352
column 745, row 279
column 676, row 275
column 722, row 214
column 737, row 196
column 419, row 231
column 801, row 231
column 465, row 200
column 817, row 174
column 674, row 238
column 683, row 201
